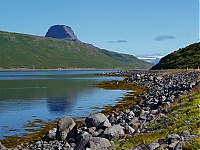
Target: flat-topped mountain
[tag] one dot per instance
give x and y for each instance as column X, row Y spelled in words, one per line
column 28, row 51
column 188, row 57
column 61, row 32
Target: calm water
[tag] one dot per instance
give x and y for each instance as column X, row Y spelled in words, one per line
column 50, row 94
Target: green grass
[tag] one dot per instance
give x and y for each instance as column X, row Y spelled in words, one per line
column 27, row 51
column 183, row 115
column 183, row 58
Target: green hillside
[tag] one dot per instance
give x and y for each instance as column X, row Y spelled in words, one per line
column 188, row 57
column 28, row 51
column 128, row 59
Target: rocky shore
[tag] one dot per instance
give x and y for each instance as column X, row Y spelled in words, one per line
column 99, row 132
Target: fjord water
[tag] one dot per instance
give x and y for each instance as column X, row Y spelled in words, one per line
column 27, row 95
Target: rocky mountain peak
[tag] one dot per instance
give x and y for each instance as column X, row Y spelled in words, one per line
column 61, row 32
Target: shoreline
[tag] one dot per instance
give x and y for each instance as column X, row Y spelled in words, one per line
column 148, row 81
column 57, row 69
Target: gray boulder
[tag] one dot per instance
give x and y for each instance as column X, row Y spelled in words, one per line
column 83, row 135
column 97, row 120
column 66, row 128
column 113, row 132
column 93, row 142
column 153, row 146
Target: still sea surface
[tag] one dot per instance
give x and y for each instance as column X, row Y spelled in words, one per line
column 27, row 95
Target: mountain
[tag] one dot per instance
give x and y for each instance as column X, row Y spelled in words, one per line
column 188, row 57
column 154, row 59
column 28, row 51
column 61, row 32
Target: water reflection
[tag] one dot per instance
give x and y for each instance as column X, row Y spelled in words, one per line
column 61, row 104
column 49, row 95
column 59, row 94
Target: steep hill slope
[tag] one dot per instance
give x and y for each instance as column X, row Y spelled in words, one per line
column 27, row 51
column 188, row 57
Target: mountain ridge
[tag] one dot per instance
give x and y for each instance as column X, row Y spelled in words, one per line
column 31, row 51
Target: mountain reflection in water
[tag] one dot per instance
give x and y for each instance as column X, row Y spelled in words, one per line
column 49, row 95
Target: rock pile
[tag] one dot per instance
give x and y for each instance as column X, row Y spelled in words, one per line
column 171, row 142
column 99, row 131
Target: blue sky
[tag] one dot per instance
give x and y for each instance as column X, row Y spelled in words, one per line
column 125, row 26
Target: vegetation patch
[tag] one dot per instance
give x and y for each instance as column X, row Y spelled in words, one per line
column 129, row 99
column 183, row 58
column 182, row 115
column 35, row 52
column 37, row 129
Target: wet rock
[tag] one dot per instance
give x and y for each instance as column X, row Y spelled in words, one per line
column 66, row 129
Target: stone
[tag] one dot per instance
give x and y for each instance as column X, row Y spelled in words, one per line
column 104, row 124
column 66, row 129
column 61, row 32
column 173, row 144
column 171, row 138
column 91, row 130
column 129, row 130
column 153, row 146
column 113, row 132
column 185, row 133
column 91, row 145
column 100, row 143
column 83, row 135
column 51, row 134
column 96, row 120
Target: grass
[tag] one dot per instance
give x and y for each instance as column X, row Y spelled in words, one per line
column 36, row 52
column 187, row 57
column 183, row 115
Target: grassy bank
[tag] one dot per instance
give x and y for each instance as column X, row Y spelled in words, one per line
column 183, row 115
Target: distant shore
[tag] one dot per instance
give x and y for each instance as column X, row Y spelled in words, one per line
column 56, row 69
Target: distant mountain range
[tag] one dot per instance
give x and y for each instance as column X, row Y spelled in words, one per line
column 62, row 50
column 188, row 57
column 153, row 59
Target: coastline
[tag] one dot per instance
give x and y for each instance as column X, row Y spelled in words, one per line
column 135, row 79
column 56, row 69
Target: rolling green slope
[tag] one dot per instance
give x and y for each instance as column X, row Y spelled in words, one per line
column 188, row 57
column 128, row 59
column 27, row 51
